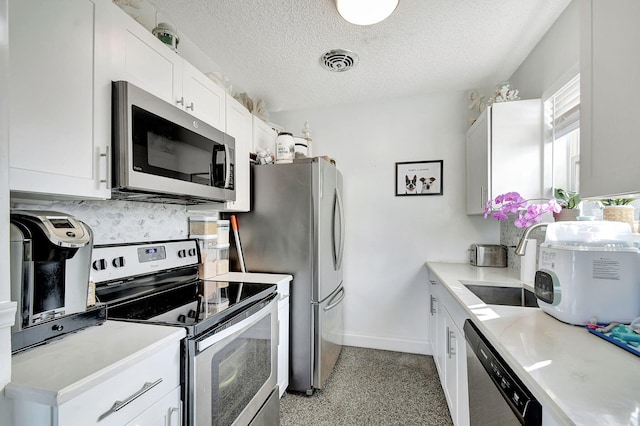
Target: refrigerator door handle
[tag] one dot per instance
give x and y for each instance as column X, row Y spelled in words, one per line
column 333, row 304
column 338, row 231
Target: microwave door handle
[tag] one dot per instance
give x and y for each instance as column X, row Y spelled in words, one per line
column 227, row 166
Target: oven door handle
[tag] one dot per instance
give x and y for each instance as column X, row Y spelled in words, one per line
column 215, row 338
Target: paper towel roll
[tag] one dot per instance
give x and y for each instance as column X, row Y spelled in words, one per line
column 528, row 261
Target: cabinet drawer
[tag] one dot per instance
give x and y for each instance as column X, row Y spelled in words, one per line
column 137, row 388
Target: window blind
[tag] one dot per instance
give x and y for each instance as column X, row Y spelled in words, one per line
column 564, row 109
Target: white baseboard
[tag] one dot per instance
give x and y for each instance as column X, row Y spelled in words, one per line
column 388, row 343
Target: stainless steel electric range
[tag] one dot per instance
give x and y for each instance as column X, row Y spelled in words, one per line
column 229, row 362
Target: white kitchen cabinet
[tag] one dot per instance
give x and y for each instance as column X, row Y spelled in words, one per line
column 203, row 98
column 504, row 153
column 166, row 412
column 434, row 325
column 142, row 59
column 455, row 369
column 283, row 336
column 240, row 126
column 449, row 349
column 79, row 380
column 264, row 136
column 60, row 99
column 609, row 66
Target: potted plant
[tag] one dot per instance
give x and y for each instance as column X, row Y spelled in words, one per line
column 569, row 201
column 619, row 210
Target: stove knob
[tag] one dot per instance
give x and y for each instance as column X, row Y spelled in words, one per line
column 118, row 262
column 99, row 264
column 182, row 253
column 191, row 314
column 182, row 318
column 192, row 252
column 57, row 327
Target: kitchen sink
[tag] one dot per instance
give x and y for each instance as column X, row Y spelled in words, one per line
column 510, row 296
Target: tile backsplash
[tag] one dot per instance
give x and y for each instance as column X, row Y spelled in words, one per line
column 115, row 222
column 510, row 236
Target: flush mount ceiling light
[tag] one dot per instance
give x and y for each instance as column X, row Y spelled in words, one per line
column 366, row 12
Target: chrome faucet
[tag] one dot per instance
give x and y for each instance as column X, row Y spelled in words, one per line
column 521, row 248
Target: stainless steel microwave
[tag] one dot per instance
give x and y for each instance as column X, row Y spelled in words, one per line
column 163, row 154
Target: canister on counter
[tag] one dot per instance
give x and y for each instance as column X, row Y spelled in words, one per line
column 223, row 231
column 208, row 254
column 223, row 258
column 203, row 225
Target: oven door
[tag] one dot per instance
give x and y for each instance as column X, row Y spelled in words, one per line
column 235, row 369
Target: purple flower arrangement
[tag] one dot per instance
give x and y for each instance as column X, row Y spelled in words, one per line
column 512, row 202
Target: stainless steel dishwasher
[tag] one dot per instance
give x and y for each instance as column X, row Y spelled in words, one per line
column 496, row 395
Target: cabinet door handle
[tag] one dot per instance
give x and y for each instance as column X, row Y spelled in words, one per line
column 451, row 350
column 433, row 282
column 180, row 101
column 190, row 106
column 119, row 405
column 171, row 411
column 107, row 156
column 433, row 308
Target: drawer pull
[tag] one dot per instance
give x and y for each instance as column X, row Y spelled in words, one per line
column 119, row 405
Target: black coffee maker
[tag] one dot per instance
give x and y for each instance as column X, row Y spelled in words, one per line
column 50, row 261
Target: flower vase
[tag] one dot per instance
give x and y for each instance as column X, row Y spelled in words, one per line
column 619, row 214
column 566, row 214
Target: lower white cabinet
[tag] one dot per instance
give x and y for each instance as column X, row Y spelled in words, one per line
column 166, row 412
column 110, row 375
column 449, row 349
column 434, row 325
column 455, row 370
column 283, row 336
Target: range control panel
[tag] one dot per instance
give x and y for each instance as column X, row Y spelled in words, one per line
column 116, row 262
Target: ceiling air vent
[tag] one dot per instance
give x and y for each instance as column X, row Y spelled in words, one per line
column 339, row 60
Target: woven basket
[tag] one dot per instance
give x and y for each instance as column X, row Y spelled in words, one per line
column 619, row 214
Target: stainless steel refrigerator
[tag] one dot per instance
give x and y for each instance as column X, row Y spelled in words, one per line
column 296, row 226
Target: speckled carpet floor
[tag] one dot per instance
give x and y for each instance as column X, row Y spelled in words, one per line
column 372, row 387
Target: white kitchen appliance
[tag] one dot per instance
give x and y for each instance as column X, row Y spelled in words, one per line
column 589, row 272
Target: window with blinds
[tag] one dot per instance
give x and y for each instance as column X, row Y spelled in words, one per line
column 562, row 122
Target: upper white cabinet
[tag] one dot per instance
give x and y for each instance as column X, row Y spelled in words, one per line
column 142, row 59
column 60, row 98
column 264, row 136
column 203, row 98
column 240, row 126
column 609, row 67
column 504, row 153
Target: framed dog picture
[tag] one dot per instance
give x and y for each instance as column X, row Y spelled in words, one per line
column 419, row 178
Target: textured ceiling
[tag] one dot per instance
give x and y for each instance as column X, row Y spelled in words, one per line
column 272, row 48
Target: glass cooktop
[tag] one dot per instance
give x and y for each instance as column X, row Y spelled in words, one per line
column 198, row 305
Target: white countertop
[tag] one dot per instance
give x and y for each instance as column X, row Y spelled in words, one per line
column 60, row 370
column 283, row 281
column 582, row 378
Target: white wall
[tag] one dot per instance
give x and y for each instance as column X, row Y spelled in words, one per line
column 389, row 238
column 554, row 60
column 7, row 308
